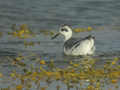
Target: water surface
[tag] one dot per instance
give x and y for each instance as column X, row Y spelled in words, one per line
column 49, row 15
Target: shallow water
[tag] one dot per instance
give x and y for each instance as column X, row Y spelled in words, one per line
column 49, row 15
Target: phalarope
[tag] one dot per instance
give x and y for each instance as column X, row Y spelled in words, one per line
column 76, row 46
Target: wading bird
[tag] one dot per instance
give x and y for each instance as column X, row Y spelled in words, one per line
column 76, row 46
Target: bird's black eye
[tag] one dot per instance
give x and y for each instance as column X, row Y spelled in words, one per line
column 64, row 30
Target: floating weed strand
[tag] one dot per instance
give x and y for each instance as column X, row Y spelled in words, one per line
column 1, row 34
column 19, row 87
column 83, row 29
column 47, row 32
column 22, row 33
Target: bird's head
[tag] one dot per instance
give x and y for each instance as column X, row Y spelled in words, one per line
column 64, row 30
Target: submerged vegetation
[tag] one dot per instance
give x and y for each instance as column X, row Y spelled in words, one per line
column 79, row 75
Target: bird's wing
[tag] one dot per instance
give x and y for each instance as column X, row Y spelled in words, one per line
column 74, row 42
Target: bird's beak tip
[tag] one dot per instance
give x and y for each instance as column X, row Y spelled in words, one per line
column 55, row 36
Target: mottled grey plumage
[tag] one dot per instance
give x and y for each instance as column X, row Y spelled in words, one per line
column 74, row 42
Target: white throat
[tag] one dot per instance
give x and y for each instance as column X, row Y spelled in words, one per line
column 68, row 36
column 67, row 33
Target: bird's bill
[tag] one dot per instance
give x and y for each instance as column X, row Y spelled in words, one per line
column 55, row 36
